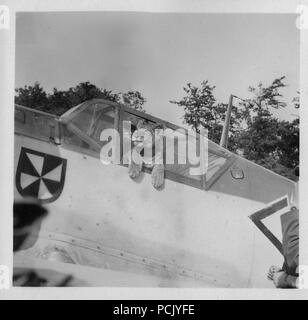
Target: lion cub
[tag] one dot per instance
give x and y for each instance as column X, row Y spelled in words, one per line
column 143, row 139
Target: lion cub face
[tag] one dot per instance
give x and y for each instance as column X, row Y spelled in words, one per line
column 144, row 136
column 144, row 139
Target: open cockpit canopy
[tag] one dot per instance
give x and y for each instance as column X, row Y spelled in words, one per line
column 84, row 124
column 80, row 129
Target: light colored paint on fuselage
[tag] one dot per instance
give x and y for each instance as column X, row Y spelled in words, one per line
column 105, row 219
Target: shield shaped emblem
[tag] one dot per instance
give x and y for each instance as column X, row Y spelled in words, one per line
column 40, row 175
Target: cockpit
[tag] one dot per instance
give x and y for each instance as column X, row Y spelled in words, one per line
column 80, row 128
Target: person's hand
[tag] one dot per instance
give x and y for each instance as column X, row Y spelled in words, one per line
column 280, row 279
column 271, row 271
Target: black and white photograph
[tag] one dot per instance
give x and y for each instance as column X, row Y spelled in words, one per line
column 156, row 150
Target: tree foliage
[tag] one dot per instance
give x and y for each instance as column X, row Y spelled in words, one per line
column 134, row 99
column 202, row 109
column 59, row 101
column 31, row 96
column 254, row 131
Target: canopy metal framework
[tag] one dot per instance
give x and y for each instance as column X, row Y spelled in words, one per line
column 78, row 129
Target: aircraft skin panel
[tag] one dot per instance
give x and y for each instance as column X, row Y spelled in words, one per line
column 174, row 228
column 87, row 253
column 161, row 222
column 86, row 276
column 258, row 184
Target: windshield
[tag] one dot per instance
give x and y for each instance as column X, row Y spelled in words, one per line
column 85, row 126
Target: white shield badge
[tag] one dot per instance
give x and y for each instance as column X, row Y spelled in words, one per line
column 40, row 175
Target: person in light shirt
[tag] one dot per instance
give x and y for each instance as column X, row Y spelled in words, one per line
column 287, row 275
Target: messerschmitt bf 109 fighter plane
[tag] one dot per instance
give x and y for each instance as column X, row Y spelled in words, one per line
column 217, row 229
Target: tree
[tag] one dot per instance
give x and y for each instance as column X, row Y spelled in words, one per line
column 199, row 105
column 264, row 98
column 261, row 137
column 134, row 99
column 259, row 140
column 201, row 109
column 87, row 91
column 288, row 143
column 59, row 101
column 267, row 140
column 31, row 96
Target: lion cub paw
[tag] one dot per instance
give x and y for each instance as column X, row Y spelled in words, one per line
column 158, row 173
column 134, row 170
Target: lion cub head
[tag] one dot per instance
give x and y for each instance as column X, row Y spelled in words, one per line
column 146, row 137
column 147, row 140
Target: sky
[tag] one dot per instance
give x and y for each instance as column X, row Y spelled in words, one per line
column 158, row 53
